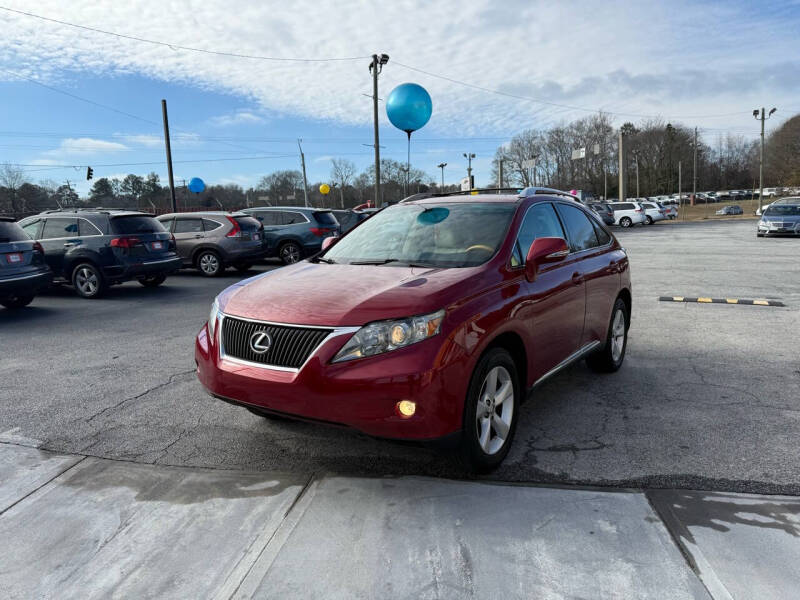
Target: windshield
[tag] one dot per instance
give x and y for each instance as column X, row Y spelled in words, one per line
column 436, row 235
column 783, row 210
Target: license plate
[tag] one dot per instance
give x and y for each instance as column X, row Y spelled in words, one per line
column 14, row 258
column 157, row 245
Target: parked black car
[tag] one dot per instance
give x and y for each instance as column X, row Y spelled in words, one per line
column 23, row 271
column 294, row 232
column 604, row 210
column 95, row 248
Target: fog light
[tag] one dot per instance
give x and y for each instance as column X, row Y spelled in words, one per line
column 406, row 408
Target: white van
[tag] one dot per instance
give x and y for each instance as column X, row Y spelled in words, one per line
column 627, row 214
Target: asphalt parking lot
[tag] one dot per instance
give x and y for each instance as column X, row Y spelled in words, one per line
column 708, row 398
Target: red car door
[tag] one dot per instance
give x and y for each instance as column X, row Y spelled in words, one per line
column 553, row 304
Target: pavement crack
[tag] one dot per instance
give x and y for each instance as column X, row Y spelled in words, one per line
column 149, row 390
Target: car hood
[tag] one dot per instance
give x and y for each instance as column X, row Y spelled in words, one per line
column 345, row 295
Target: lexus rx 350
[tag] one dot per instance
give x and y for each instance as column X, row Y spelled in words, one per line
column 430, row 320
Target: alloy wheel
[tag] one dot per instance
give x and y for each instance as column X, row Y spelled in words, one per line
column 617, row 335
column 290, row 254
column 87, row 281
column 495, row 410
column 209, row 264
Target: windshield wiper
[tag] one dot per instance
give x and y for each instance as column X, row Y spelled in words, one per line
column 373, row 262
column 327, row 261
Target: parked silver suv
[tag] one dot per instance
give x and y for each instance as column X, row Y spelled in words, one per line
column 212, row 241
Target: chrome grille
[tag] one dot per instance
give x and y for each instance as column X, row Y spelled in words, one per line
column 290, row 348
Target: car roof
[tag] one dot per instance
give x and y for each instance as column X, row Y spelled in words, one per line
column 214, row 213
column 113, row 212
column 298, row 208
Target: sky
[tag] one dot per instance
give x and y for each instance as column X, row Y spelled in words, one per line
column 239, row 98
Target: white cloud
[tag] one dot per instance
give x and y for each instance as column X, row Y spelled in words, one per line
column 77, row 147
column 680, row 58
column 147, row 140
column 240, row 117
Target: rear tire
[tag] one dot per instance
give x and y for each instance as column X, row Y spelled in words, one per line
column 153, row 280
column 88, row 281
column 625, row 222
column 290, row 253
column 649, row 220
column 610, row 358
column 490, row 411
column 16, row 301
column 209, row 263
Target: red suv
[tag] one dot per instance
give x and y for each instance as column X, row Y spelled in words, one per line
column 430, row 320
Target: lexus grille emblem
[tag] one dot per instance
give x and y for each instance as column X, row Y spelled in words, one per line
column 260, row 342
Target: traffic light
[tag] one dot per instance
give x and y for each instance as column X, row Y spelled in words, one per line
column 89, row 173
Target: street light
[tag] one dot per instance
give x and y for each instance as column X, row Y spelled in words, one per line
column 469, row 156
column 761, row 117
column 375, row 67
column 442, row 166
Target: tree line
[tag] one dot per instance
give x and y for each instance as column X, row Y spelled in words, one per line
column 654, row 149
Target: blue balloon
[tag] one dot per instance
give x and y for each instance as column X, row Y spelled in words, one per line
column 409, row 107
column 196, row 185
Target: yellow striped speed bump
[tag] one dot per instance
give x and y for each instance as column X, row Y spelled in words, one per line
column 704, row 300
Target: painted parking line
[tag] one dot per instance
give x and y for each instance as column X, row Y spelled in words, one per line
column 706, row 300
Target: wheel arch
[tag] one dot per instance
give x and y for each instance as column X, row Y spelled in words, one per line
column 625, row 296
column 196, row 252
column 515, row 346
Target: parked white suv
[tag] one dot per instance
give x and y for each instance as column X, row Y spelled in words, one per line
column 627, row 214
column 771, row 192
column 653, row 212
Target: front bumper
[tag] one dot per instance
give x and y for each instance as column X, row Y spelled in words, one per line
column 362, row 394
column 25, row 283
column 785, row 229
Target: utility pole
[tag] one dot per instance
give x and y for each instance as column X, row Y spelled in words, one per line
column 305, row 181
column 623, row 171
column 442, row 166
column 694, row 172
column 500, row 175
column 680, row 187
column 169, row 155
column 469, row 156
column 761, row 156
column 636, row 158
column 375, row 67
column 605, row 185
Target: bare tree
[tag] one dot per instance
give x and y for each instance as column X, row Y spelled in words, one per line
column 12, row 178
column 342, row 172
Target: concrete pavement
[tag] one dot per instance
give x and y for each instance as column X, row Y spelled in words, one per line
column 85, row 527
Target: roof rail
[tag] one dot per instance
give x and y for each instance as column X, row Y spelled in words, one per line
column 535, row 191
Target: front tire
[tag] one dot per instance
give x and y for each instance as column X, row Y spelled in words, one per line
column 490, row 411
column 625, row 222
column 209, row 263
column 16, row 301
column 88, row 281
column 610, row 358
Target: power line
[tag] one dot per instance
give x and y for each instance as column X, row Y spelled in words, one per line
column 172, row 46
column 139, row 164
column 556, row 104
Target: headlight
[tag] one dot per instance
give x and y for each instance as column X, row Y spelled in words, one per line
column 212, row 318
column 385, row 336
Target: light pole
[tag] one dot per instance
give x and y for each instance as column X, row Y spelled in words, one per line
column 375, row 67
column 761, row 155
column 442, row 166
column 469, row 156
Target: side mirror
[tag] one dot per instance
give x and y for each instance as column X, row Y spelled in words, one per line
column 328, row 242
column 544, row 250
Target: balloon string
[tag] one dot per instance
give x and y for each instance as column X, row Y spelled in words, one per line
column 408, row 164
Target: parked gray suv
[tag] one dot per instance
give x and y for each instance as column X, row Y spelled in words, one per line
column 212, row 241
column 293, row 233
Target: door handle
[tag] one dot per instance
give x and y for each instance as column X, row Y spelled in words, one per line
column 197, row 237
column 69, row 244
column 577, row 278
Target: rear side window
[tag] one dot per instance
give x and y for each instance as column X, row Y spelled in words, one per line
column 210, row 225
column 268, row 217
column 247, row 223
column 59, row 228
column 623, row 206
column 602, row 235
column 540, row 221
column 188, row 226
column 579, row 228
column 326, row 218
column 292, row 218
column 86, row 227
column 136, row 224
column 11, row 232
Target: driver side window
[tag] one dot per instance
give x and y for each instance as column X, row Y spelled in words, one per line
column 540, row 221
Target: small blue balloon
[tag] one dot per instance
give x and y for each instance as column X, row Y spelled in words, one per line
column 196, row 185
column 409, row 107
